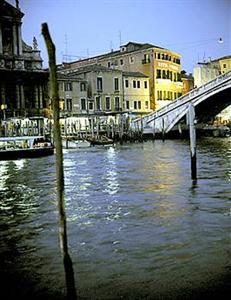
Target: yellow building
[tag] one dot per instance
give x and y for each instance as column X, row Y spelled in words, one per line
column 161, row 65
column 225, row 63
column 136, row 93
column 188, row 83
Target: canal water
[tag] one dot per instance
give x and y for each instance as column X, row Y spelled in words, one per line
column 137, row 227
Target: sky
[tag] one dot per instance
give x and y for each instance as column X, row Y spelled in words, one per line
column 84, row 28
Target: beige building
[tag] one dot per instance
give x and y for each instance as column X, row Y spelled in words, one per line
column 204, row 72
column 73, row 95
column 161, row 65
column 104, row 88
column 136, row 93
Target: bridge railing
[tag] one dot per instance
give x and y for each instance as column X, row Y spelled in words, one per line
column 187, row 97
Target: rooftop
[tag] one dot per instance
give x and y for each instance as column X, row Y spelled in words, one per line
column 127, row 48
column 134, row 74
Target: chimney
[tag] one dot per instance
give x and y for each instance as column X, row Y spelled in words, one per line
column 17, row 4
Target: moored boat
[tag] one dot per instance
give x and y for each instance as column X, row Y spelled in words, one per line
column 75, row 144
column 16, row 147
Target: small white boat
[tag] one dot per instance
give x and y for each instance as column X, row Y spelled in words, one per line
column 16, row 147
column 75, row 144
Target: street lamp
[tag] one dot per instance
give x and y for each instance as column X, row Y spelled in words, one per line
column 3, row 108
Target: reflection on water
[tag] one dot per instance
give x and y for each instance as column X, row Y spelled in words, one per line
column 137, row 228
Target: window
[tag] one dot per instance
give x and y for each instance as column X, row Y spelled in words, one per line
column 108, row 106
column 139, row 104
column 138, row 84
column 97, row 103
column 116, row 84
column 126, row 83
column 174, row 77
column 99, row 83
column 224, row 66
column 164, row 74
column 135, row 104
column 67, row 86
column 131, row 60
column 158, row 55
column 83, row 104
column 146, row 104
column 134, row 84
column 109, row 64
column 91, row 105
column 158, row 73
column 121, row 62
column 145, row 84
column 117, row 103
column 127, row 104
column 69, row 104
column 82, row 86
column 158, row 95
column 116, row 62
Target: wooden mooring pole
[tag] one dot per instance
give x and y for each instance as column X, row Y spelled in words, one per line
column 192, row 135
column 69, row 273
column 163, row 130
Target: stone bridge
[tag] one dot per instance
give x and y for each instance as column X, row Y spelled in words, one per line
column 208, row 100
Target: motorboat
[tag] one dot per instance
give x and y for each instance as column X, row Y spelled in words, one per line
column 75, row 144
column 16, row 147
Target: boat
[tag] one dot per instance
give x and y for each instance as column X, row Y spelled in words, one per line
column 16, row 147
column 103, row 140
column 75, row 144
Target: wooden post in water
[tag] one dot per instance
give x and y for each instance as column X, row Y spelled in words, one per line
column 154, row 130
column 192, row 134
column 163, row 130
column 69, row 273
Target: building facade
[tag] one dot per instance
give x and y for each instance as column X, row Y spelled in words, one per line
column 162, row 66
column 204, row 72
column 23, row 83
column 104, row 89
column 188, row 82
column 73, row 95
column 136, row 94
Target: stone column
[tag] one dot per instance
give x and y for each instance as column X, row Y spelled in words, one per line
column 18, row 102
column 1, row 50
column 40, row 97
column 19, row 39
column 22, row 97
column 15, row 44
column 36, row 99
